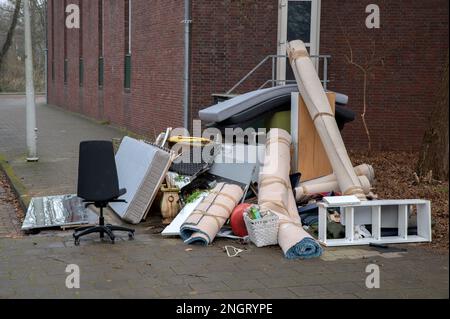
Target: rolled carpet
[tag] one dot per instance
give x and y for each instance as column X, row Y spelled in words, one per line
column 275, row 194
column 361, row 170
column 324, row 120
column 211, row 214
column 328, row 187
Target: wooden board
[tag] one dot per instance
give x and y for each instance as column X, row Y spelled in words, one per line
column 312, row 159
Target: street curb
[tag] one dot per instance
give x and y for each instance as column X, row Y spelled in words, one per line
column 18, row 187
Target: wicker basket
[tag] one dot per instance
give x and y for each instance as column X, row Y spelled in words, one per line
column 263, row 232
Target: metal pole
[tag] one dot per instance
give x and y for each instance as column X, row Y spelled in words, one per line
column 30, row 96
column 46, row 51
column 273, row 71
column 249, row 74
column 187, row 48
column 46, row 75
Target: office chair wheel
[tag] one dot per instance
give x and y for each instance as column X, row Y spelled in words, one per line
column 113, row 241
column 131, row 236
column 77, row 242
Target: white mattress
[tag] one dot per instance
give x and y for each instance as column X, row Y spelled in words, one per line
column 141, row 169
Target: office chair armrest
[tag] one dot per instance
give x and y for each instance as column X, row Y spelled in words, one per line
column 118, row 201
column 122, row 192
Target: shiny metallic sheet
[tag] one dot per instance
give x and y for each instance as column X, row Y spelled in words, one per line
column 57, row 211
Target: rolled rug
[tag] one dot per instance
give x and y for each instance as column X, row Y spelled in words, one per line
column 275, row 194
column 324, row 120
column 211, row 214
column 328, row 187
column 361, row 170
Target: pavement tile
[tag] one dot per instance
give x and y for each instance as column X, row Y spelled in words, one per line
column 173, row 291
column 248, row 284
column 345, row 287
column 276, row 293
column 211, row 295
column 215, row 286
column 334, row 296
column 305, row 291
column 244, row 294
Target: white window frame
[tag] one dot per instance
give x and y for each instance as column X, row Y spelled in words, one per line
column 314, row 45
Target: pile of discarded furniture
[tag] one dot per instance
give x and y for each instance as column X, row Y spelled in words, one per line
column 295, row 187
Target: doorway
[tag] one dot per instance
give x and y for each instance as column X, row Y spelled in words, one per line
column 297, row 19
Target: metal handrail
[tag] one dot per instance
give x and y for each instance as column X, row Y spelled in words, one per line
column 274, row 81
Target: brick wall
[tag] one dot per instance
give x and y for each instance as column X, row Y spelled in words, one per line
column 229, row 38
column 155, row 99
column 413, row 41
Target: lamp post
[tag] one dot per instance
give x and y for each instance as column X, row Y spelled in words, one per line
column 30, row 95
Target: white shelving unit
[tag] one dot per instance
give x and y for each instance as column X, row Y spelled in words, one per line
column 378, row 209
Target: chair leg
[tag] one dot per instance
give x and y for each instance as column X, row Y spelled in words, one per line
column 120, row 228
column 102, row 230
column 92, row 230
column 110, row 234
column 80, row 229
column 130, row 231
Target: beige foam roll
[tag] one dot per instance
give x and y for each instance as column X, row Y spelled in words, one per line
column 361, row 170
column 319, row 108
column 328, row 187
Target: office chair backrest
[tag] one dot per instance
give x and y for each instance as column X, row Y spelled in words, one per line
column 97, row 172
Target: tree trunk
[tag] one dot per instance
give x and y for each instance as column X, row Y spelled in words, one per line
column 434, row 155
column 10, row 34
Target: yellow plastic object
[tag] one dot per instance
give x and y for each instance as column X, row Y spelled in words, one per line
column 189, row 140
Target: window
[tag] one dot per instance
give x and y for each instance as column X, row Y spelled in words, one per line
column 297, row 19
column 52, row 37
column 127, row 44
column 127, row 80
column 65, row 70
column 80, row 46
column 81, row 71
column 65, row 44
column 100, row 43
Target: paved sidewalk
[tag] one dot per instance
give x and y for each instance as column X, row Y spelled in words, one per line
column 153, row 267
column 59, row 135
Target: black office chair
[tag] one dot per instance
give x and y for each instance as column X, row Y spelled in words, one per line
column 98, row 185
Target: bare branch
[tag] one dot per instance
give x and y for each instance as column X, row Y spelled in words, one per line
column 10, row 34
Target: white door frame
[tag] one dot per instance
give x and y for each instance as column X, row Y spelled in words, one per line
column 282, row 33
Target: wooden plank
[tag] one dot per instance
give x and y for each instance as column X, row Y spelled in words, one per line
column 313, row 161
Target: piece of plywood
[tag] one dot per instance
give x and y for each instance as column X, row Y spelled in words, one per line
column 312, row 161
